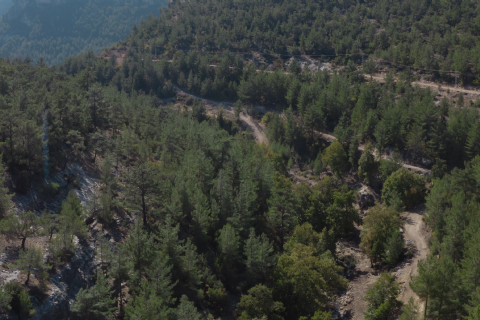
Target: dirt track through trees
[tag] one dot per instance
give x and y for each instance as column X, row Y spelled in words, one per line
column 258, row 129
column 414, row 231
column 416, row 238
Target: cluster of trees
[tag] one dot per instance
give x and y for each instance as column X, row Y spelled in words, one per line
column 216, row 214
column 395, row 115
column 443, row 34
column 59, row 30
column 448, row 278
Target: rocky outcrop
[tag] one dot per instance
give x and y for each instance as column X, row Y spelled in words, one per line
column 75, row 275
column 37, row 202
column 365, row 198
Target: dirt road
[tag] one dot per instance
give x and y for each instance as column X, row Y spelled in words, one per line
column 419, row 170
column 258, row 129
column 363, row 276
column 416, row 238
column 422, row 84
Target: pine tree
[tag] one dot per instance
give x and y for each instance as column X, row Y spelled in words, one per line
column 229, row 245
column 259, row 304
column 201, row 215
column 147, row 305
column 367, row 165
column 353, row 153
column 31, row 261
column 472, row 145
column 5, row 198
column 258, row 251
column 187, row 310
column 139, row 249
column 96, row 302
column 393, row 248
column 409, row 311
column 318, row 164
column 141, row 186
column 71, row 223
column 190, row 265
column 470, row 272
column 382, row 298
column 21, row 227
column 423, row 284
column 282, row 208
column 159, row 277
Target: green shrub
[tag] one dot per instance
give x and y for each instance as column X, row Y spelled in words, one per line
column 406, row 185
column 335, row 157
column 50, row 189
column 318, row 165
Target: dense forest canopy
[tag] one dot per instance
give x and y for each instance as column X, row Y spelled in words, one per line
column 55, row 30
column 190, row 218
column 438, row 35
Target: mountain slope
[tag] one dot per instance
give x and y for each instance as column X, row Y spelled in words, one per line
column 55, row 29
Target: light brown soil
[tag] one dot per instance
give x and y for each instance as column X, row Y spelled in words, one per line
column 416, row 234
column 416, row 169
column 212, row 107
column 363, row 276
column 445, row 91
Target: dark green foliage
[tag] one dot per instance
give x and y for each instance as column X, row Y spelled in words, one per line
column 70, row 224
column 20, row 227
column 219, row 214
column 259, row 303
column 367, row 165
column 388, row 166
column 259, row 254
column 409, row 311
column 304, row 281
column 335, row 157
column 5, row 298
column 381, row 240
column 393, row 249
column 448, row 279
column 407, row 186
column 382, row 298
column 5, row 197
column 95, row 302
column 186, row 310
column 31, row 262
column 318, row 165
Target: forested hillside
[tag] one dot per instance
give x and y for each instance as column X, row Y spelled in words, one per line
column 124, row 194
column 54, row 30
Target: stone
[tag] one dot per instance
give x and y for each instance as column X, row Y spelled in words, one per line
column 75, row 275
column 365, row 198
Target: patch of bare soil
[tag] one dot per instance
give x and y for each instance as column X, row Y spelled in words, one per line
column 416, row 237
column 351, row 304
column 443, row 90
column 419, row 170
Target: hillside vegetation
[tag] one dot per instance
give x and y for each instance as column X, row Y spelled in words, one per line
column 54, row 31
column 191, row 219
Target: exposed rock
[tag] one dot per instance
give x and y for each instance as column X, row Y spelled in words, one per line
column 75, row 275
column 365, row 198
column 39, row 202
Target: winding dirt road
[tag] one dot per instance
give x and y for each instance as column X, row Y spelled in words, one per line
column 258, row 129
column 416, row 238
column 419, row 170
column 414, row 231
